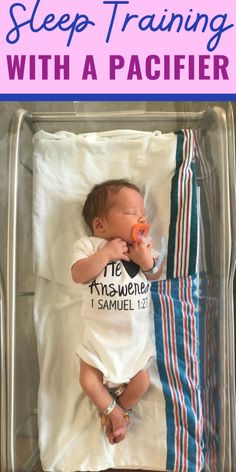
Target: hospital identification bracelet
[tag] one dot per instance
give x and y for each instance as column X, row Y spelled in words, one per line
column 110, row 407
column 155, row 268
column 157, row 262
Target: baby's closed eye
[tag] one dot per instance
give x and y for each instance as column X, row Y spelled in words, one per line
column 133, row 211
column 130, row 211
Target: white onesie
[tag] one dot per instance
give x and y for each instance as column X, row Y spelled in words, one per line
column 116, row 317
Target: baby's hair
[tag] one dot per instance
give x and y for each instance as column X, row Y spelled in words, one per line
column 98, row 201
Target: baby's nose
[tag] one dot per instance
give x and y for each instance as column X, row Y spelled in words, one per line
column 142, row 219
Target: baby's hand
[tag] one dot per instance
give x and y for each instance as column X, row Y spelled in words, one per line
column 116, row 249
column 141, row 255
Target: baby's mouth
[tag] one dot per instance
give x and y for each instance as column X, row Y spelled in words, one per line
column 139, row 231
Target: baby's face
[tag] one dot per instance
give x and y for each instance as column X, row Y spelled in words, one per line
column 127, row 210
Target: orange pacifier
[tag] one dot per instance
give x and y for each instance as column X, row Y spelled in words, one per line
column 139, row 233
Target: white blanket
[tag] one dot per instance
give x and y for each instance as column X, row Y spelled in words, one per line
column 66, row 166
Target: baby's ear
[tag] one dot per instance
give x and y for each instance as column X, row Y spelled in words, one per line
column 98, row 226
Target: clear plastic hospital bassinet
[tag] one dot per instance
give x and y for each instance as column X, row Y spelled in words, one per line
column 214, row 127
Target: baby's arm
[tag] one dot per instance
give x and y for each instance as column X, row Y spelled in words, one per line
column 90, row 267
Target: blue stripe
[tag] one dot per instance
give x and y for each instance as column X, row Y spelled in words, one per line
column 116, row 97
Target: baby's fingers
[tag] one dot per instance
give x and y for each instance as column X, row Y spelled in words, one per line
column 125, row 257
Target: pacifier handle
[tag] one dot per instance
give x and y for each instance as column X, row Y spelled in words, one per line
column 138, row 231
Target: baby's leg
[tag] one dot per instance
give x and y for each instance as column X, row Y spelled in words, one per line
column 135, row 390
column 91, row 380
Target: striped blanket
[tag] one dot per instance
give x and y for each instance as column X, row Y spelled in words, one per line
column 176, row 318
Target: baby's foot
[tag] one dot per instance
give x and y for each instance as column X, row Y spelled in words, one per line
column 117, row 426
column 106, row 422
